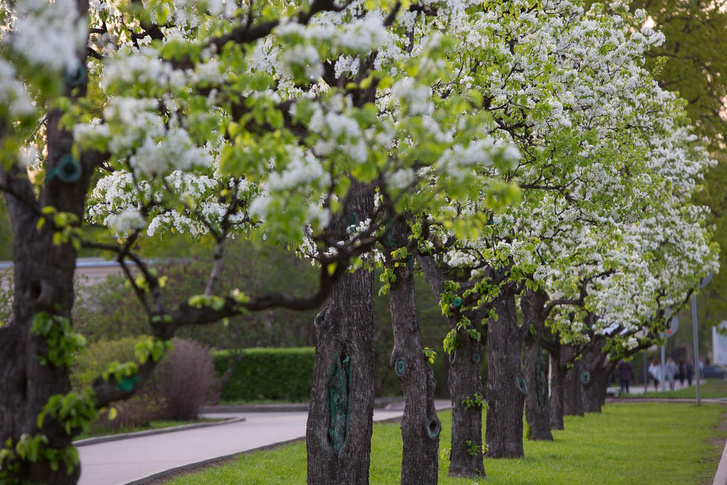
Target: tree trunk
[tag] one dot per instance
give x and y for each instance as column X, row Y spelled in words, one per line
column 464, row 384
column 506, row 387
column 420, row 427
column 465, row 387
column 598, row 369
column 340, row 412
column 537, row 405
column 43, row 283
column 572, row 387
column 557, row 377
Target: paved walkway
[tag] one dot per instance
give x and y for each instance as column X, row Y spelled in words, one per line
column 136, row 459
column 639, row 388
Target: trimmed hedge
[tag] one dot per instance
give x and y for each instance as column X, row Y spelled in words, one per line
column 267, row 373
column 286, row 374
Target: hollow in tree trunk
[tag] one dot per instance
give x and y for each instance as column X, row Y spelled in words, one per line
column 506, row 386
column 340, row 411
column 420, row 427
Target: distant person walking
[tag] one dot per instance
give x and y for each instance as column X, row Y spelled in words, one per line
column 671, row 372
column 682, row 372
column 626, row 374
column 690, row 371
column 655, row 372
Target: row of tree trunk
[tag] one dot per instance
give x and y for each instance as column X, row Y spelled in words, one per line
column 342, row 398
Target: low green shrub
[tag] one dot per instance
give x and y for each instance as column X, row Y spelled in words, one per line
column 175, row 391
column 96, row 357
column 139, row 411
column 261, row 374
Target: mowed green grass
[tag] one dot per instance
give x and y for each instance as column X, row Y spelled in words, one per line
column 629, row 443
column 710, row 389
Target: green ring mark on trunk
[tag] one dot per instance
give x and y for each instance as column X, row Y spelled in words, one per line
column 352, row 222
column 399, row 367
column 339, row 388
column 68, row 170
column 586, row 377
column 522, row 385
column 476, row 358
column 75, row 77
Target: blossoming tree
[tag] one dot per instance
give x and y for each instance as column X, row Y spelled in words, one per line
column 601, row 145
column 260, row 121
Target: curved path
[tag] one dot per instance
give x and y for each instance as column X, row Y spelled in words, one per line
column 136, row 460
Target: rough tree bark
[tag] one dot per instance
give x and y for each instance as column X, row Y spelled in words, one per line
column 43, row 282
column 420, row 427
column 557, row 377
column 599, row 368
column 537, row 405
column 572, row 386
column 464, row 382
column 340, row 412
column 506, row 386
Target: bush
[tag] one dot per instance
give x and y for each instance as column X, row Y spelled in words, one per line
column 261, row 374
column 91, row 363
column 139, row 411
column 185, row 377
column 175, row 391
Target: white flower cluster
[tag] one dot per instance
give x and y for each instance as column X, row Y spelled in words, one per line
column 126, row 221
column 175, row 151
column 415, row 97
column 305, row 56
column 12, row 93
column 460, row 159
column 361, row 35
column 49, row 33
column 141, row 66
column 338, row 130
column 303, row 169
column 116, row 197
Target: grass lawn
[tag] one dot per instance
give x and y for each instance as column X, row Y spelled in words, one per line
column 710, row 389
column 152, row 425
column 629, row 443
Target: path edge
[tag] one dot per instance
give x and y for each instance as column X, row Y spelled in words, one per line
column 211, row 461
column 720, row 478
column 152, row 432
